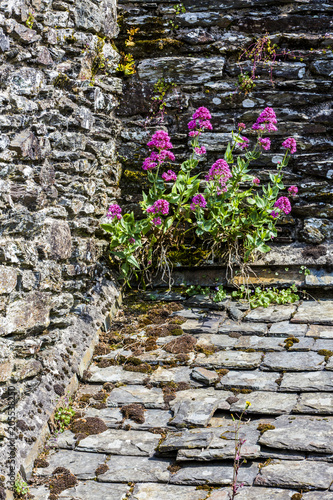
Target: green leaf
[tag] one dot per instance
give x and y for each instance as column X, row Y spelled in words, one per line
column 263, row 248
column 132, row 260
column 109, row 228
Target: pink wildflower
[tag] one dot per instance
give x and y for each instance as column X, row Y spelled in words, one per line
column 244, row 144
column 266, row 121
column 159, row 207
column 202, row 113
column 205, row 125
column 200, row 151
column 157, row 221
column 290, row 143
column 283, row 204
column 194, row 133
column 156, row 159
column 274, row 214
column 160, row 140
column 256, row 181
column 265, row 143
column 198, row 201
column 192, row 124
column 169, row 176
column 114, row 212
column 241, row 126
column 293, row 190
column 219, row 170
column 131, row 241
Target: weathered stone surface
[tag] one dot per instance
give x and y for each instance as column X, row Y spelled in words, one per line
column 324, row 332
column 150, row 398
column 315, row 403
column 301, row 433
column 229, row 326
column 254, row 493
column 30, row 313
column 113, row 418
column 293, row 361
column 165, row 492
column 183, row 69
column 315, row 312
column 136, row 469
column 115, row 374
column 179, row 374
column 136, row 443
column 259, row 343
column 196, row 407
column 266, row 403
column 255, row 380
column 271, row 314
column 91, row 489
column 314, row 381
column 225, row 451
column 8, row 279
column 205, row 376
column 230, row 359
column 187, row 439
column 287, row 329
column 206, row 325
column 213, row 474
column 82, row 465
column 296, row 474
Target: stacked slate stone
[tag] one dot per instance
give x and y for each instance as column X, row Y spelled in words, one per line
column 58, row 174
column 196, row 53
column 158, row 425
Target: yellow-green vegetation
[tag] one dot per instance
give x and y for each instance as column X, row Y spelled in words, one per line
column 21, row 489
column 30, row 21
column 127, row 63
column 188, row 256
column 61, row 81
column 326, row 353
column 63, row 416
column 289, row 342
column 99, row 59
column 265, row 427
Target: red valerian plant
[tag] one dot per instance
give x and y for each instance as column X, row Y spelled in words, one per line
column 228, row 212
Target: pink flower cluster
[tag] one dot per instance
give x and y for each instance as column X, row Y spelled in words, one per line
column 266, row 121
column 169, row 176
column 200, row 151
column 265, row 142
column 241, row 126
column 114, row 212
column 161, row 141
column 244, row 144
column 200, row 121
column 157, row 221
column 256, row 181
column 159, row 207
column 283, row 204
column 219, row 171
column 198, row 201
column 293, row 190
column 290, row 143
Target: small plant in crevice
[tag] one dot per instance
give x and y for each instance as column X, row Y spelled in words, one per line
column 64, row 415
column 126, row 65
column 30, row 20
column 161, row 90
column 178, row 9
column 264, row 297
column 238, row 461
column 21, row 489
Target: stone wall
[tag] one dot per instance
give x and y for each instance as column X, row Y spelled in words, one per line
column 197, row 52
column 58, row 173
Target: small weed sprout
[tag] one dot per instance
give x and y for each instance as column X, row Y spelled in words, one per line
column 238, row 462
column 30, row 20
column 21, row 489
column 64, row 415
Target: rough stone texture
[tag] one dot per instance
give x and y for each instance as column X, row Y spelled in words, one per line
column 183, row 432
column 271, row 314
column 315, row 312
column 58, row 174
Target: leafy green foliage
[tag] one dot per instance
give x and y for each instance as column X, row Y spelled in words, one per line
column 63, row 416
column 265, row 297
column 21, row 489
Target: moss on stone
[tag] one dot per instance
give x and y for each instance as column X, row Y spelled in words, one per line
column 326, row 353
column 265, row 427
